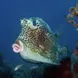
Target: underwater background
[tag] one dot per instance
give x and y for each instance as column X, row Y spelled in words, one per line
column 53, row 12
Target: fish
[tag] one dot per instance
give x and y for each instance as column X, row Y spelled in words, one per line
column 37, row 43
column 17, row 67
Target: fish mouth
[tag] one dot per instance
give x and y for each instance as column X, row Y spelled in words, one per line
column 18, row 46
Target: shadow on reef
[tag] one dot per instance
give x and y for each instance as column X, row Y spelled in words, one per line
column 61, row 71
column 5, row 70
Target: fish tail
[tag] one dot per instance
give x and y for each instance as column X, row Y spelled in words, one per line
column 63, row 50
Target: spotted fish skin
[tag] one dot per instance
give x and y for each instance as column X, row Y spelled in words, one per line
column 39, row 41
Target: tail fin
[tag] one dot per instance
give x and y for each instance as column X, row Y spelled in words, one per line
column 63, row 50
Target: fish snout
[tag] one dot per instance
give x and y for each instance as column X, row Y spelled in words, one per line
column 18, row 46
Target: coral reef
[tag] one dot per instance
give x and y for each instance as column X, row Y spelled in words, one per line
column 61, row 71
column 5, row 70
column 25, row 72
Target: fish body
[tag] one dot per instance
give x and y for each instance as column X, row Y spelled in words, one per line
column 37, row 43
column 17, row 67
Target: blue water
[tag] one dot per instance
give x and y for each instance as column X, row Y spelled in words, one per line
column 52, row 11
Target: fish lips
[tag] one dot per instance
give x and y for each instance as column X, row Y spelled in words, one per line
column 18, row 46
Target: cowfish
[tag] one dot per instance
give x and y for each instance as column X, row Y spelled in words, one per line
column 37, row 43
